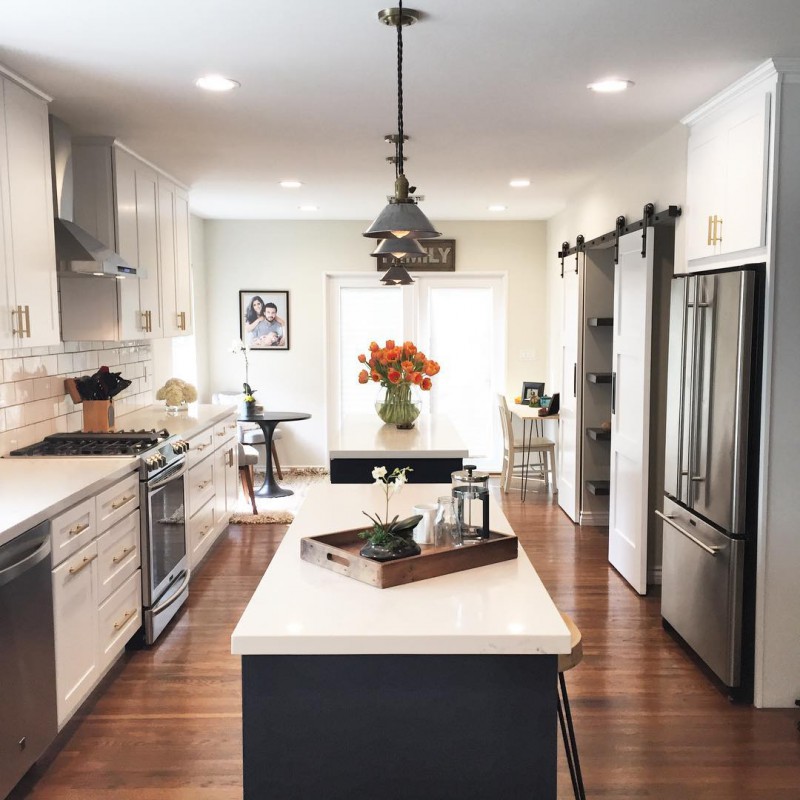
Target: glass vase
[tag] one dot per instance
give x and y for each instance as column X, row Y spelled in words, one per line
column 399, row 404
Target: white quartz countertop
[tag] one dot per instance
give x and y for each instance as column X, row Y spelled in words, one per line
column 35, row 489
column 365, row 436
column 302, row 609
column 184, row 423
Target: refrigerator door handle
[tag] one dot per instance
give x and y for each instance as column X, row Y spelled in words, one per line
column 712, row 551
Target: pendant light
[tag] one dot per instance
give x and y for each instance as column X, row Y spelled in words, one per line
column 402, row 217
column 396, row 274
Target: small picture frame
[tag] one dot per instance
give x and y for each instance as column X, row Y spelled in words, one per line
column 531, row 391
column 264, row 319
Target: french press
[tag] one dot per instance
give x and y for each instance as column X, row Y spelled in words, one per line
column 471, row 491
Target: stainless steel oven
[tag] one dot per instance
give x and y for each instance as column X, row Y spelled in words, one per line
column 165, row 563
column 162, row 469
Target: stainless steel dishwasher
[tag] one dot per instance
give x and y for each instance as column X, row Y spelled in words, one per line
column 28, row 721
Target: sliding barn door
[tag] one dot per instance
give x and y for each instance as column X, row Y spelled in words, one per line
column 630, row 413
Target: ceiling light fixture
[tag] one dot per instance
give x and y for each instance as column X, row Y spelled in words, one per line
column 291, row 184
column 610, row 85
column 396, row 275
column 519, row 183
column 402, row 217
column 308, row 208
column 217, row 83
column 497, row 208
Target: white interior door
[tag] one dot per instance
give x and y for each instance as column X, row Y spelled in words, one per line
column 569, row 438
column 630, row 413
column 459, row 321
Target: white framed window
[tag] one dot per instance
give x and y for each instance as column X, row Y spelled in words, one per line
column 457, row 319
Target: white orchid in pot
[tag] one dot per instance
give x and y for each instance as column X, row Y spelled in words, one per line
column 249, row 400
column 388, row 540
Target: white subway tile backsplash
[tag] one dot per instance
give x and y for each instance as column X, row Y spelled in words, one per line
column 33, row 401
column 25, row 391
column 66, row 362
column 12, row 369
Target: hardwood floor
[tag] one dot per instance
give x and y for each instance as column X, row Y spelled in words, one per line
column 166, row 725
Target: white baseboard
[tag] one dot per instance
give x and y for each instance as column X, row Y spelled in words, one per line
column 599, row 518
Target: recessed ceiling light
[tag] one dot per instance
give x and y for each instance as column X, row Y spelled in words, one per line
column 217, row 83
column 610, row 85
column 497, row 208
column 308, row 208
column 519, row 183
column 291, row 184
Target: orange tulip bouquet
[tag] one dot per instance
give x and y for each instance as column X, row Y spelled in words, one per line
column 402, row 371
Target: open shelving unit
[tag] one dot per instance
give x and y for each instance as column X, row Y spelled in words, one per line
column 599, row 434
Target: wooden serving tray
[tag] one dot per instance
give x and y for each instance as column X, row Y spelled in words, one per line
column 340, row 552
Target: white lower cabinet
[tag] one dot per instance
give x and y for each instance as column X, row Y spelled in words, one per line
column 118, row 618
column 211, row 489
column 75, row 618
column 97, row 594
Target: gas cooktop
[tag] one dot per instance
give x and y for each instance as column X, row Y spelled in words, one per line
column 118, row 443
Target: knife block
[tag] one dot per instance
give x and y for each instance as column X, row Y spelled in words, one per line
column 98, row 416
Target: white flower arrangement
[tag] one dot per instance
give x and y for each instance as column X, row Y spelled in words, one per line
column 175, row 391
column 390, row 534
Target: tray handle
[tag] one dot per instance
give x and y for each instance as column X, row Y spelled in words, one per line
column 337, row 559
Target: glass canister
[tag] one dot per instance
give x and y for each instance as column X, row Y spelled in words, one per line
column 446, row 530
column 471, row 493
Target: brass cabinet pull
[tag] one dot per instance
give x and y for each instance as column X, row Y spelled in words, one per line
column 17, row 329
column 124, row 553
column 717, row 235
column 143, row 321
column 78, row 529
column 204, row 530
column 229, row 457
column 182, row 320
column 710, row 228
column 714, row 236
column 128, row 615
column 85, row 563
column 203, row 484
column 28, row 322
column 125, row 499
column 232, row 426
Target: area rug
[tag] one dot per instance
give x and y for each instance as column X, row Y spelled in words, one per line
column 278, row 510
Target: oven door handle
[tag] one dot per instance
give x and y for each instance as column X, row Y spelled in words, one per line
column 157, row 484
column 174, row 596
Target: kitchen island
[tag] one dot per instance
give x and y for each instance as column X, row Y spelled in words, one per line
column 432, row 448
column 437, row 689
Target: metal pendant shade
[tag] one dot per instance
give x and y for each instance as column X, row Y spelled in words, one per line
column 399, row 248
column 397, row 275
column 402, row 218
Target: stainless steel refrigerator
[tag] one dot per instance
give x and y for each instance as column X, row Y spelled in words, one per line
column 711, row 467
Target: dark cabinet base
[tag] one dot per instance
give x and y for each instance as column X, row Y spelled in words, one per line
column 399, row 727
column 425, row 470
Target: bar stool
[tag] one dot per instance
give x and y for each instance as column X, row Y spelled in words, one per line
column 567, row 661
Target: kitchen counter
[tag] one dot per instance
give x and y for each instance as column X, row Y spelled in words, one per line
column 301, row 608
column 457, row 673
column 433, row 448
column 36, row 489
column 185, row 423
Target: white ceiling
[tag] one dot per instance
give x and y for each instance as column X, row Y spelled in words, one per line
column 493, row 90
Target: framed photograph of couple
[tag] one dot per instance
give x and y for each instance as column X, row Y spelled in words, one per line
column 264, row 319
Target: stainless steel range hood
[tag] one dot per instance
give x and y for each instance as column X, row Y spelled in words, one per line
column 77, row 251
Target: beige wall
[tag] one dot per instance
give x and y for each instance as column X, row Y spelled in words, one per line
column 655, row 174
column 294, row 256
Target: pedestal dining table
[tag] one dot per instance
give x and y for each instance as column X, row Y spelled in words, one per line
column 267, row 421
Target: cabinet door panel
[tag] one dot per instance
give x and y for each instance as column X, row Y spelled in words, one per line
column 183, row 266
column 746, row 177
column 705, row 173
column 6, row 275
column 166, row 243
column 147, row 230
column 30, row 213
column 75, row 622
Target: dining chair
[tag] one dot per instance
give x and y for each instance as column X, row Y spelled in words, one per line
column 517, row 456
column 249, row 432
column 248, row 458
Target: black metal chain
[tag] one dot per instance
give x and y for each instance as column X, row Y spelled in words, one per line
column 399, row 164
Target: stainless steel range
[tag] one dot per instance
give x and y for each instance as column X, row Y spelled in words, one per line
column 162, row 467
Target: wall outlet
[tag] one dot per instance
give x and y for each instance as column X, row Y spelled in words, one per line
column 527, row 355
